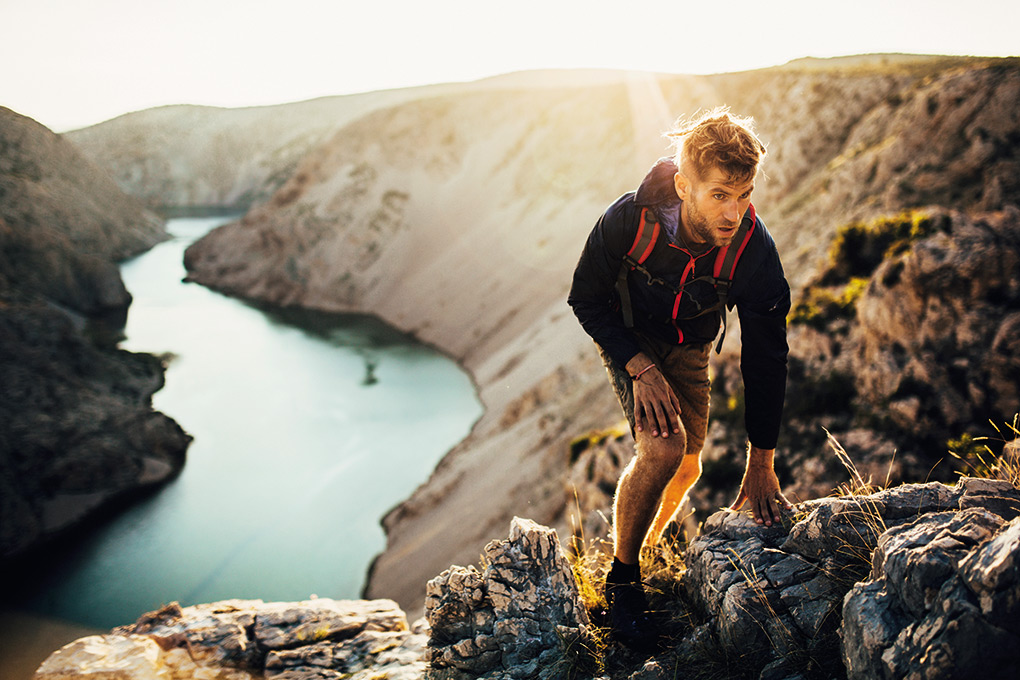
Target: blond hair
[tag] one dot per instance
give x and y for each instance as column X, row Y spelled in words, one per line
column 718, row 139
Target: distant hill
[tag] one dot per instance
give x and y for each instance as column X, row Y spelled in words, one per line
column 457, row 213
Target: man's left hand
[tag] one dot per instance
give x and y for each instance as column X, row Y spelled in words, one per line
column 760, row 486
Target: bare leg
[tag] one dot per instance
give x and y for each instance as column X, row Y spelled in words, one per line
column 673, row 496
column 639, row 491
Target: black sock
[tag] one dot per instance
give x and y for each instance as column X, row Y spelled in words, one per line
column 624, row 573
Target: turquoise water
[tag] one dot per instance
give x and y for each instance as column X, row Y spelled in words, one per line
column 307, row 429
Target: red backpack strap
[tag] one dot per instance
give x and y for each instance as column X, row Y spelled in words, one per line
column 647, row 235
column 644, row 242
column 726, row 265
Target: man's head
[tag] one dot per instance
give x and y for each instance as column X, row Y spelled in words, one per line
column 717, row 156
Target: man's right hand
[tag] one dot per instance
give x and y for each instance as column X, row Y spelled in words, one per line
column 656, row 406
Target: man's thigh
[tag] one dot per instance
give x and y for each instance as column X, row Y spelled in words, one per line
column 686, row 369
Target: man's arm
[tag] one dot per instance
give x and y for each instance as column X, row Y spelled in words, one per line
column 593, row 288
column 763, row 365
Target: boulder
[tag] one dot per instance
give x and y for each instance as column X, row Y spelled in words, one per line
column 943, row 601
column 513, row 619
column 777, row 594
column 241, row 639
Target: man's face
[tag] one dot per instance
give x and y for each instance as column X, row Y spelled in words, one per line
column 712, row 206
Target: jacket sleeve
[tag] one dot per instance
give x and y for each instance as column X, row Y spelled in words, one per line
column 763, row 348
column 593, row 290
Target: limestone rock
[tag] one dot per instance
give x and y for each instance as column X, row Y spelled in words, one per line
column 943, row 601
column 241, row 639
column 779, row 592
column 132, row 657
column 512, row 618
column 931, row 330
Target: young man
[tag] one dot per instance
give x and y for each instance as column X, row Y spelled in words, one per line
column 654, row 319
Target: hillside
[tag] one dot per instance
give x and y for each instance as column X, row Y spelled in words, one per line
column 77, row 429
column 457, row 214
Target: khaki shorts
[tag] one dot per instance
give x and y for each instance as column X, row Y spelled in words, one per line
column 686, row 370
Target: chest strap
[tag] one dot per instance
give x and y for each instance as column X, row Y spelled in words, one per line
column 723, row 270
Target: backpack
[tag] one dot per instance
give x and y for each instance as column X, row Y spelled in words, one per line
column 725, row 267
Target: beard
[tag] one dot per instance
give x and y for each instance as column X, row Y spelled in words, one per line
column 703, row 232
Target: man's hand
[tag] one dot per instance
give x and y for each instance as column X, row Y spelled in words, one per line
column 760, row 486
column 655, row 404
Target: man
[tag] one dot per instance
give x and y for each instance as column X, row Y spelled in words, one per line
column 654, row 318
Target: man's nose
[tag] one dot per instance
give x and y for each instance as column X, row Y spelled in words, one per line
column 732, row 212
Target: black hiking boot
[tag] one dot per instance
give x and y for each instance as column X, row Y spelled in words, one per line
column 629, row 620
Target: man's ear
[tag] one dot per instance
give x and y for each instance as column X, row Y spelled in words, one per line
column 682, row 185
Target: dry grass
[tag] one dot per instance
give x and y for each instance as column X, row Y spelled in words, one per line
column 980, row 460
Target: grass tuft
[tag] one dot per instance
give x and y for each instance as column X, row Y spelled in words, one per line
column 980, row 460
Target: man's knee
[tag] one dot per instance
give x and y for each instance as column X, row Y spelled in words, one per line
column 664, row 454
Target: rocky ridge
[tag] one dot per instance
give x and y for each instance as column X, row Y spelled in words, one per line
column 77, row 429
column 912, row 581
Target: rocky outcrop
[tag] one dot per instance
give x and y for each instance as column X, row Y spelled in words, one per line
column 77, row 429
column 779, row 592
column 515, row 619
column 907, row 352
column 942, row 601
column 242, row 639
column 912, row 581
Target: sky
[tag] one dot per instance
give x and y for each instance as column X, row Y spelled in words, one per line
column 73, row 63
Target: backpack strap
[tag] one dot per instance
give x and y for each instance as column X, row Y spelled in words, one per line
column 644, row 241
column 726, row 266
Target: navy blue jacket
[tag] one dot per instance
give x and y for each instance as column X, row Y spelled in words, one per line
column 760, row 293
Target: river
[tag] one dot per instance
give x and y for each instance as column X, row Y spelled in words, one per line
column 307, row 428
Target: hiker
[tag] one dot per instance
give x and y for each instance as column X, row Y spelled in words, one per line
column 652, row 286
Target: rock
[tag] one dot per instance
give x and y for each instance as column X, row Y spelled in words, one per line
column 778, row 593
column 133, row 657
column 915, row 581
column 943, row 601
column 933, row 315
column 927, row 349
column 241, row 639
column 513, row 618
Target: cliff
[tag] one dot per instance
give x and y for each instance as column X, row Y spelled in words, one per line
column 77, row 430
column 458, row 214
